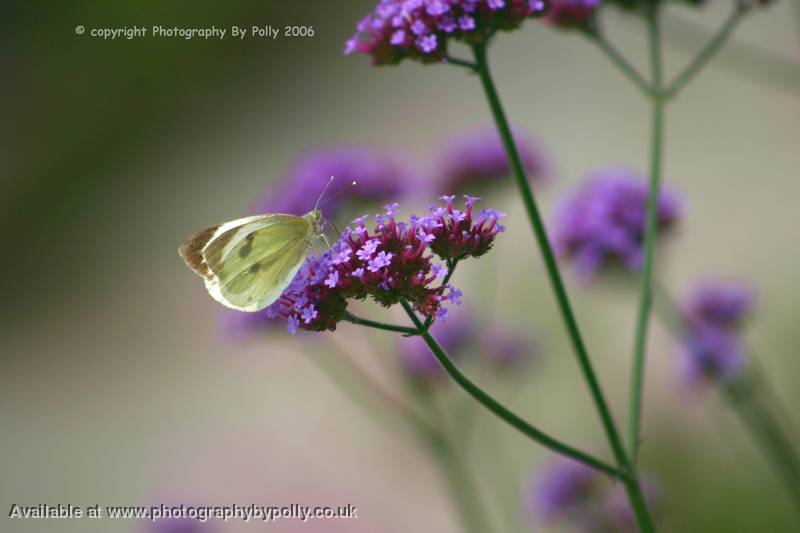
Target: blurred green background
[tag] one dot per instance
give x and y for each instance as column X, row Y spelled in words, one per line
column 117, row 385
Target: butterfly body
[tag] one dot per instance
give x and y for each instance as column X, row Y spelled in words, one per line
column 247, row 263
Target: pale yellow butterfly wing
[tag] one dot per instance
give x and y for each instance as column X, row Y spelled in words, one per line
column 247, row 263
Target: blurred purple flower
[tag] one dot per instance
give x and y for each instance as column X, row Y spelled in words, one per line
column 719, row 304
column 710, row 354
column 573, row 494
column 422, row 29
column 477, row 159
column 455, row 335
column 602, row 224
column 505, row 349
column 713, row 315
column 381, row 176
column 571, row 13
column 562, row 490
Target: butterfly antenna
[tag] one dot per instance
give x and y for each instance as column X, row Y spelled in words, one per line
column 325, row 188
column 340, row 192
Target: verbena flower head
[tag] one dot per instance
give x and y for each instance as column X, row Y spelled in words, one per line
column 562, row 489
column 713, row 315
column 571, row 13
column 380, row 176
column 422, row 29
column 477, row 159
column 603, row 223
column 394, row 261
column 455, row 335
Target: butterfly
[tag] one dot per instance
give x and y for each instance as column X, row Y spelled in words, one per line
column 247, row 263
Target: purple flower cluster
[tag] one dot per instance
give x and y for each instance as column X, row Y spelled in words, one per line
column 572, row 493
column 388, row 264
column 380, row 176
column 571, row 13
column 455, row 234
column 421, row 29
column 713, row 317
column 478, row 159
column 603, row 223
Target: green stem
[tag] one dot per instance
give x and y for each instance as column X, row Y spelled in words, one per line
column 631, row 483
column 745, row 59
column 547, row 255
column 622, row 473
column 709, row 50
column 499, row 409
column 462, row 485
column 378, row 325
column 362, row 389
column 765, row 429
column 433, row 436
column 618, row 59
column 740, row 394
column 460, row 62
column 506, row 482
column 650, row 235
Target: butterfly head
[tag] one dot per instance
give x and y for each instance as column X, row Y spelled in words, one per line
column 314, row 217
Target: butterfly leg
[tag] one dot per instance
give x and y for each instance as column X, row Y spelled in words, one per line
column 331, row 224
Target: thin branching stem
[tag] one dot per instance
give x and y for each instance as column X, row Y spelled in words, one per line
column 459, row 477
column 499, row 409
column 709, row 50
column 631, row 483
column 461, row 63
column 742, row 395
column 767, row 432
column 619, row 59
column 650, row 236
column 433, row 435
column 540, row 233
column 349, row 317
